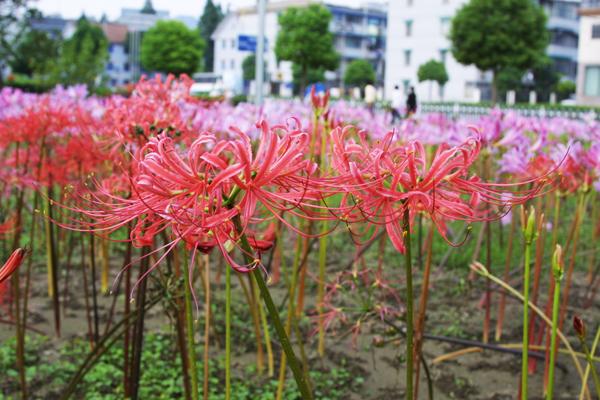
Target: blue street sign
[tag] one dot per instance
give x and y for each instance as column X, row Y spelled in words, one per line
column 248, row 43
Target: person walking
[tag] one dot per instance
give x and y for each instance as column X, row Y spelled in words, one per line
column 396, row 104
column 411, row 102
column 370, row 97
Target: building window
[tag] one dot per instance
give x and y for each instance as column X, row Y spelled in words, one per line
column 353, row 42
column 445, row 25
column 109, row 66
column 111, row 47
column 232, row 64
column 406, row 85
column 408, row 25
column 409, row 2
column 223, row 64
column 591, row 86
column 443, row 55
column 126, row 67
column 596, row 31
column 223, row 44
column 233, row 43
column 407, row 54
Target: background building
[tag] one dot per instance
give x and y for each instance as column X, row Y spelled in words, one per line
column 118, row 70
column 359, row 33
column 418, row 32
column 588, row 82
column 563, row 26
column 137, row 22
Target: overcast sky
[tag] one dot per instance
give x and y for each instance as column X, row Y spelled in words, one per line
column 112, row 8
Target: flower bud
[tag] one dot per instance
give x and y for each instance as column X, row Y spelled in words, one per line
column 530, row 227
column 557, row 267
column 13, row 262
column 579, row 327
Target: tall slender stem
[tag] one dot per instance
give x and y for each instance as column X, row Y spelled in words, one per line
column 409, row 306
column 529, row 232
column 227, row 332
column 206, row 324
column 321, row 286
column 274, row 315
column 555, row 308
column 191, row 345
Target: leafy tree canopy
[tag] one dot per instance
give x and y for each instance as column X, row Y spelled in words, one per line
column 359, row 73
column 433, row 70
column 249, row 68
column 499, row 34
column 35, row 53
column 210, row 19
column 304, row 39
column 83, row 55
column 171, row 47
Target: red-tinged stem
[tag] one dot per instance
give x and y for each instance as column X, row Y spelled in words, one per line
column 420, row 326
column 92, row 249
column 502, row 302
column 539, row 254
column 488, row 291
column 592, row 254
column 138, row 329
column 576, row 228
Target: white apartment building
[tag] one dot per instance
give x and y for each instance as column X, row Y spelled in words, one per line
column 228, row 58
column 588, row 82
column 359, row 33
column 418, row 32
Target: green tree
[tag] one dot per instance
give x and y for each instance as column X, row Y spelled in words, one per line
column 359, row 73
column 210, row 19
column 497, row 34
column 305, row 40
column 433, row 71
column 249, row 68
column 564, row 89
column 12, row 27
column 83, row 55
column 313, row 75
column 171, row 47
column 35, row 53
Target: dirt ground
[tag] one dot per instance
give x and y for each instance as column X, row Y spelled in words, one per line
column 454, row 311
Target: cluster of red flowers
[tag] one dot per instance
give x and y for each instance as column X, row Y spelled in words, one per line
column 151, row 170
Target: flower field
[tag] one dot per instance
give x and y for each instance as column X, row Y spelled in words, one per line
column 159, row 243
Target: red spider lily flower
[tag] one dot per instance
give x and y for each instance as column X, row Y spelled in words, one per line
column 320, row 101
column 14, row 261
column 277, row 175
column 386, row 179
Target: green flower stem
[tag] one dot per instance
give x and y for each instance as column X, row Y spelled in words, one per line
column 190, row 332
column 555, row 308
column 227, row 332
column 529, row 234
column 591, row 365
column 409, row 307
column 587, row 369
column 274, row 315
